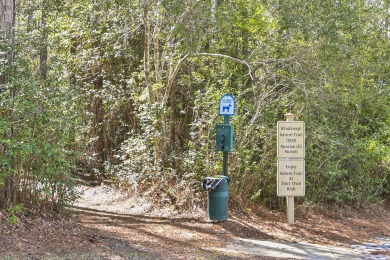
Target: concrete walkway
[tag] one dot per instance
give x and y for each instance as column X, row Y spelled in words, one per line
column 290, row 250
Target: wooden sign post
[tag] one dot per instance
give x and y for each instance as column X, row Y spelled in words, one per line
column 291, row 161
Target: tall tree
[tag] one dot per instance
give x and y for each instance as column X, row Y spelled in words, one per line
column 7, row 21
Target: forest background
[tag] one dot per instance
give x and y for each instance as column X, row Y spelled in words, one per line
column 128, row 91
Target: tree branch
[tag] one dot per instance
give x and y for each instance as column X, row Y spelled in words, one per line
column 172, row 78
column 180, row 62
column 218, row 55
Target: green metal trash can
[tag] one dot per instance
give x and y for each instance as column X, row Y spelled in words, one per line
column 217, row 199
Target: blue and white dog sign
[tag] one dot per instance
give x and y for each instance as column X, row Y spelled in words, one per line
column 227, row 105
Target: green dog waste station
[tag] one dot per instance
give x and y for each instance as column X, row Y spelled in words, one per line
column 217, row 186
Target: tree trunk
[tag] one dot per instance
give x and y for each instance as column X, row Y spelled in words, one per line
column 98, row 125
column 43, row 45
column 213, row 11
column 172, row 135
column 147, row 51
column 7, row 21
column 387, row 19
column 156, row 45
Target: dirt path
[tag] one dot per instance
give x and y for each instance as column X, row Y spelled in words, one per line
column 107, row 224
column 154, row 233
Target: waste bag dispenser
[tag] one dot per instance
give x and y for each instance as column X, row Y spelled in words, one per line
column 217, row 198
column 224, row 140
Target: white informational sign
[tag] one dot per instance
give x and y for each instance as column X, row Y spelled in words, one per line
column 291, row 139
column 291, row 177
column 227, row 105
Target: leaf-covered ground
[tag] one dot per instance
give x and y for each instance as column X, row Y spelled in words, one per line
column 108, row 224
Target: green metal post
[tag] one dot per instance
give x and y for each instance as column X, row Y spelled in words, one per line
column 226, row 120
column 225, row 154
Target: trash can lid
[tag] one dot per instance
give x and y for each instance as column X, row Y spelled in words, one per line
column 211, row 183
column 217, row 177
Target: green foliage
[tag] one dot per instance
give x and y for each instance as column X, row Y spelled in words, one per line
column 349, row 147
column 317, row 69
column 328, row 62
column 12, row 218
column 37, row 127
